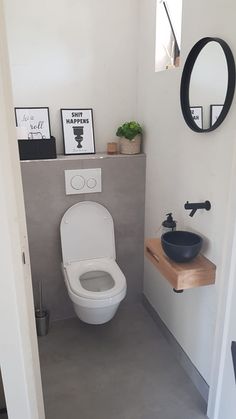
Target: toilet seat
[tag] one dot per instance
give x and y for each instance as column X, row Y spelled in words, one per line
column 75, row 270
column 95, row 283
column 87, row 233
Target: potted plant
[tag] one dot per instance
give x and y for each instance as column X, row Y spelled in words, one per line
column 130, row 137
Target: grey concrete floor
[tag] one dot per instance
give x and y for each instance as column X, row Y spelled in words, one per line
column 122, row 370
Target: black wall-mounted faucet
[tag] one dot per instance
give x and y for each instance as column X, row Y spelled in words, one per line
column 198, row 205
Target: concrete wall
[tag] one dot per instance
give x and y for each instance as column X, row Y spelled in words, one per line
column 76, row 53
column 183, row 165
column 123, row 185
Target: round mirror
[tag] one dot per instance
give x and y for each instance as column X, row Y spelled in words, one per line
column 207, row 85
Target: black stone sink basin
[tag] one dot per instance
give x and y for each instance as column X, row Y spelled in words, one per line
column 181, row 246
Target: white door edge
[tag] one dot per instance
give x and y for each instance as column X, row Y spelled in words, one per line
column 227, row 278
column 19, row 359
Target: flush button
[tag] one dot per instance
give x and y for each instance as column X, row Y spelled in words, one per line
column 77, row 182
column 83, row 181
column 91, row 183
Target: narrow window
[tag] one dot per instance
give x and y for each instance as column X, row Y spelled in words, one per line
column 168, row 34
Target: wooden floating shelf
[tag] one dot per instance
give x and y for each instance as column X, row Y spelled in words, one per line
column 197, row 273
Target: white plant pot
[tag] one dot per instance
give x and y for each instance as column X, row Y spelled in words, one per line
column 130, row 146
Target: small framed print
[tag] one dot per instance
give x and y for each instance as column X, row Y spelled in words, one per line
column 78, row 131
column 33, row 122
column 215, row 111
column 196, row 112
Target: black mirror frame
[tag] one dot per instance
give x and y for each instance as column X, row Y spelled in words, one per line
column 186, row 77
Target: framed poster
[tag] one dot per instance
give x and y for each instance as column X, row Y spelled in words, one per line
column 215, row 111
column 34, row 122
column 196, row 112
column 78, row 131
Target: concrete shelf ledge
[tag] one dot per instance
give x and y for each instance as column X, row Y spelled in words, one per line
column 96, row 156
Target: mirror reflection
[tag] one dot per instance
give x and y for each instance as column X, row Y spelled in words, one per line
column 168, row 34
column 208, row 85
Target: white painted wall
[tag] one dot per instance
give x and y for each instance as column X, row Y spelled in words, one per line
column 75, row 53
column 183, row 165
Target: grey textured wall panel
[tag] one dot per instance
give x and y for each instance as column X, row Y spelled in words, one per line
column 123, row 194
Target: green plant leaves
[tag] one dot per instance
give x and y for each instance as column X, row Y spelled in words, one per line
column 129, row 130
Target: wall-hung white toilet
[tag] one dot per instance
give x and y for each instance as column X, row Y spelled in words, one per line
column 94, row 281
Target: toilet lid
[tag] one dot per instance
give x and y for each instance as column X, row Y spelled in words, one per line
column 87, row 232
column 77, row 270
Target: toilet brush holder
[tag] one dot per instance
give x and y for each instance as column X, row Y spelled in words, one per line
column 41, row 315
column 42, row 322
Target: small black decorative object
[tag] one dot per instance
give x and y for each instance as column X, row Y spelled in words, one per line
column 78, row 131
column 37, row 149
column 185, row 83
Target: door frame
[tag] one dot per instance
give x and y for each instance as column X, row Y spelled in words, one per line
column 19, row 359
column 227, row 283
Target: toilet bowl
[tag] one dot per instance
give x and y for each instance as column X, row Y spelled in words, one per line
column 95, row 283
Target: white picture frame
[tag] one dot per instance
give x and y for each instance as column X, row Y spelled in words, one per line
column 78, row 131
column 215, row 111
column 33, row 122
column 197, row 112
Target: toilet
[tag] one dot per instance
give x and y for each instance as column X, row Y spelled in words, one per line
column 95, row 283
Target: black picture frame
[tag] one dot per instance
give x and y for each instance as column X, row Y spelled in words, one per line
column 37, row 115
column 198, row 117
column 78, row 131
column 186, row 77
column 214, row 113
